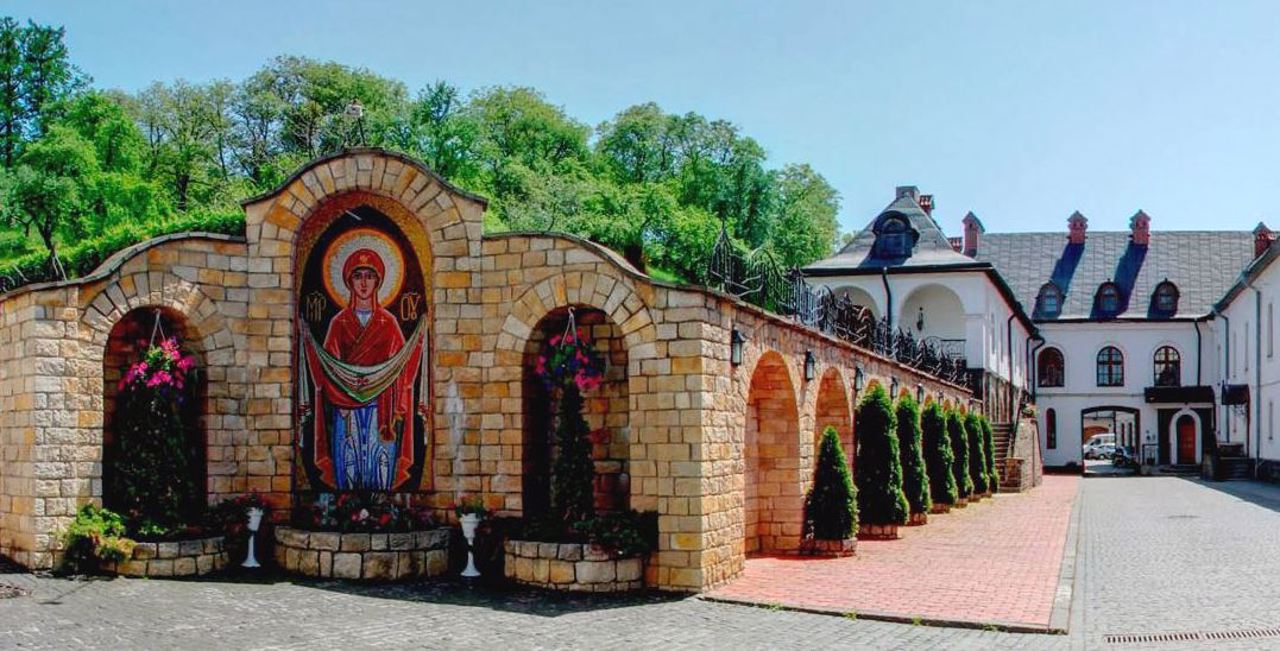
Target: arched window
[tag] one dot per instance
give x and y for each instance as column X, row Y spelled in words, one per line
column 1164, row 301
column 1051, row 428
column 1107, row 300
column 1110, row 367
column 1168, row 367
column 1049, row 368
column 1049, row 302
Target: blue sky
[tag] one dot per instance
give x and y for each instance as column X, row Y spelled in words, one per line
column 1019, row 111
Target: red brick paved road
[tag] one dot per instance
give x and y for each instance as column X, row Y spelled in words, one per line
column 996, row 561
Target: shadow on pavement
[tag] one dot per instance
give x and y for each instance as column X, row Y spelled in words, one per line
column 1255, row 492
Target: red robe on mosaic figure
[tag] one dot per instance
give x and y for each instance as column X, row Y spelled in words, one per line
column 375, row 342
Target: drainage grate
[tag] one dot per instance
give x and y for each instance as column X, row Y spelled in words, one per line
column 1196, row 636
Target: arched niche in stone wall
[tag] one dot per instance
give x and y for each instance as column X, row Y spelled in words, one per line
column 363, row 346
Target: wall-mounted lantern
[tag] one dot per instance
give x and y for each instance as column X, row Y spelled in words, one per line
column 920, row 393
column 810, row 365
column 893, row 389
column 920, row 320
column 735, row 347
column 858, row 379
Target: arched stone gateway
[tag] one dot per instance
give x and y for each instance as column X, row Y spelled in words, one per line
column 680, row 428
column 773, row 497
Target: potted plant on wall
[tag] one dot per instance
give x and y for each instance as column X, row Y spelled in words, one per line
column 882, row 506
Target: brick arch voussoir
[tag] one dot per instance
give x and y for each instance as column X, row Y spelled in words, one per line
column 623, row 307
column 176, row 294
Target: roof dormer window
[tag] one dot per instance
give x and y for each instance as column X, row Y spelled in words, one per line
column 1164, row 301
column 1049, row 302
column 895, row 238
column 1107, row 300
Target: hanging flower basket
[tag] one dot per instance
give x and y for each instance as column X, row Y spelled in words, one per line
column 569, row 359
column 163, row 368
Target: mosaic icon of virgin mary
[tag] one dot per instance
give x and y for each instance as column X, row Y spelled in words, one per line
column 363, row 374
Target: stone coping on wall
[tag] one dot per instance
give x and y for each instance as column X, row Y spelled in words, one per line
column 573, row 567
column 363, row 556
column 175, row 558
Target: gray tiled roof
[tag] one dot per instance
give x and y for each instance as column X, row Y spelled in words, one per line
column 931, row 249
column 1202, row 264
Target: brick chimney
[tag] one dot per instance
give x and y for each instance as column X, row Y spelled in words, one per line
column 1262, row 239
column 1140, row 228
column 1077, row 224
column 973, row 230
column 926, row 204
column 907, row 191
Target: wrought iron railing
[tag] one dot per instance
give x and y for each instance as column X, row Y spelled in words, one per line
column 757, row 278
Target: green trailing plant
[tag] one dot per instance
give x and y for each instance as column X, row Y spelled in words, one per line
column 960, row 448
column 627, row 533
column 938, row 455
column 95, row 536
column 989, row 446
column 572, row 498
column 915, row 478
column 977, row 453
column 879, row 464
column 831, row 506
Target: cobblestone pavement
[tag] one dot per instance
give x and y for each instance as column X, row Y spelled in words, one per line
column 1156, row 555
column 131, row 613
column 1178, row 555
column 994, row 562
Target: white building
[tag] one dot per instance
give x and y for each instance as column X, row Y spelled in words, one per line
column 1245, row 346
column 904, row 270
column 1121, row 332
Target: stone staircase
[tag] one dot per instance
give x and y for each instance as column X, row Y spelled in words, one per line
column 1001, row 437
column 1233, row 468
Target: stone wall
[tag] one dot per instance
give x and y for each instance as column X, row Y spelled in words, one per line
column 692, row 419
column 364, row 556
column 570, row 567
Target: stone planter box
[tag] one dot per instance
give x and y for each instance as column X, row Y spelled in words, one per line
column 878, row 532
column 961, row 502
column 573, row 567
column 829, row 548
column 363, row 556
column 177, row 558
column 940, row 508
column 918, row 519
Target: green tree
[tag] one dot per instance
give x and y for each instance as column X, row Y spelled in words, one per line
column 831, row 506
column 977, row 453
column 35, row 74
column 960, row 448
column 939, row 457
column 48, row 190
column 804, row 228
column 915, row 478
column 879, row 464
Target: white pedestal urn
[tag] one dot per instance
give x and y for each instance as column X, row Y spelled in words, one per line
column 255, row 521
column 469, row 523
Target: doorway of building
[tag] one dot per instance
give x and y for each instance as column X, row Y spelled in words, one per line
column 1105, row 432
column 1186, row 429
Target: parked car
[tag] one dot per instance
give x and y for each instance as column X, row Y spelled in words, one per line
column 1093, row 448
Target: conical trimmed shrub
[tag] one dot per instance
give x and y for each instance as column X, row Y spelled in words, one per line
column 879, row 478
column 960, row 447
column 938, row 455
column 977, row 453
column 915, row 479
column 831, row 507
column 989, row 446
